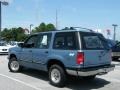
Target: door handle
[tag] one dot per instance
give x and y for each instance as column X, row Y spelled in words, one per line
column 30, row 50
column 46, row 51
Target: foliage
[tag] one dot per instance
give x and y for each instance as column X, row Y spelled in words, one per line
column 50, row 27
column 18, row 34
column 13, row 34
column 44, row 27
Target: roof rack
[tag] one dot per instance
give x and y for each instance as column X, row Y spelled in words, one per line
column 74, row 28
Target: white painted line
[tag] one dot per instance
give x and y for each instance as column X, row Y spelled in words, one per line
column 20, row 82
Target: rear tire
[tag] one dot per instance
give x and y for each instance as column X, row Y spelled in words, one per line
column 57, row 76
column 14, row 65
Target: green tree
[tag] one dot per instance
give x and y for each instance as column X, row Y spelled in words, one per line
column 22, row 37
column 14, row 34
column 50, row 27
column 44, row 27
column 40, row 28
column 6, row 34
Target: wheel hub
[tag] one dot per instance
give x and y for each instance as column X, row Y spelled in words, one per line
column 14, row 65
column 55, row 75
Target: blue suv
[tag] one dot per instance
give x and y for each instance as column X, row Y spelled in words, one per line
column 63, row 52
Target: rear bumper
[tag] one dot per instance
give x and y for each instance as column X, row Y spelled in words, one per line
column 91, row 71
column 115, row 54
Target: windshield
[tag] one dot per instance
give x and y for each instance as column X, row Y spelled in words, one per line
column 2, row 44
column 13, row 43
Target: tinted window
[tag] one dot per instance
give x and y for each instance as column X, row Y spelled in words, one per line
column 44, row 41
column 71, row 43
column 92, row 41
column 65, row 40
column 31, row 41
column 59, row 42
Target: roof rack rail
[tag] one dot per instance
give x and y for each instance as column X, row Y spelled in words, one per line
column 73, row 28
column 67, row 28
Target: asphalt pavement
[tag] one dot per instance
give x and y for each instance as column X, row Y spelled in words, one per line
column 30, row 79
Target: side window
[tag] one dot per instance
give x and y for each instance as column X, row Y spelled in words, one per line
column 65, row 40
column 44, row 41
column 59, row 42
column 71, row 42
column 31, row 41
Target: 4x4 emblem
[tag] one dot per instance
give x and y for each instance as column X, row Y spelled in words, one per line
column 71, row 54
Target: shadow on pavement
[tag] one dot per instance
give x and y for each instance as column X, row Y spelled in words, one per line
column 81, row 84
column 74, row 83
column 36, row 74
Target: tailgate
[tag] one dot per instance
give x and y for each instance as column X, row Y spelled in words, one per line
column 96, row 58
column 96, row 49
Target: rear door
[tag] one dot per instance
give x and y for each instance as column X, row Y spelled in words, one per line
column 96, row 50
column 65, row 47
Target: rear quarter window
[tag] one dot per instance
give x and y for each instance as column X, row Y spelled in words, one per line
column 92, row 41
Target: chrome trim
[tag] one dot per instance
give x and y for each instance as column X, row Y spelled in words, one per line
column 79, row 40
column 71, row 72
column 115, row 53
column 89, row 73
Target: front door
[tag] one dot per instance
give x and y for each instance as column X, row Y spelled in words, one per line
column 26, row 52
column 41, row 52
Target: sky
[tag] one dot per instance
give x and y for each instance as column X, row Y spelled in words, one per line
column 93, row 14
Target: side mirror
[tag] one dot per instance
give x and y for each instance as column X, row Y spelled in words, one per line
column 31, row 45
column 21, row 45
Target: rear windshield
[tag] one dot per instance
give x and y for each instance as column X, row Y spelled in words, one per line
column 93, row 41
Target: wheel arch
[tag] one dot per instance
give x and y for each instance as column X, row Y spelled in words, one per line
column 55, row 61
column 12, row 55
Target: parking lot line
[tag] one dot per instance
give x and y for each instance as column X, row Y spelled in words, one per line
column 20, row 82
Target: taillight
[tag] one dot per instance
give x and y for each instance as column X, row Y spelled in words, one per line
column 80, row 58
